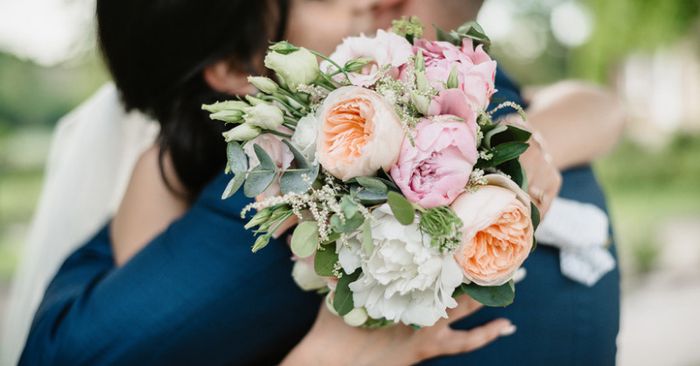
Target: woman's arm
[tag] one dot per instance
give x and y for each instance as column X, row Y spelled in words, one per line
column 579, row 122
column 332, row 342
column 148, row 206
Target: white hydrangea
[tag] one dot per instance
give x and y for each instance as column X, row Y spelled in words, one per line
column 403, row 278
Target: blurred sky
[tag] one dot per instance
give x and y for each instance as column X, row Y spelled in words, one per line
column 45, row 31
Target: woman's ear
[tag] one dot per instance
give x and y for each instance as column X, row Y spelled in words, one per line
column 222, row 77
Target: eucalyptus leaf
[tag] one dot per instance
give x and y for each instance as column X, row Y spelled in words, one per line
column 302, row 163
column 301, row 179
column 305, row 239
column 325, row 260
column 237, row 160
column 348, row 206
column 508, row 151
column 401, row 208
column 259, row 179
column 234, row 185
column 348, row 225
column 491, row 296
column 342, row 300
column 266, row 161
column 370, row 197
column 371, row 183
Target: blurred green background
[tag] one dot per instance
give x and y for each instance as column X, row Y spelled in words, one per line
column 648, row 51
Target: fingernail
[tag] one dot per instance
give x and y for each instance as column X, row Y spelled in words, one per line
column 509, row 330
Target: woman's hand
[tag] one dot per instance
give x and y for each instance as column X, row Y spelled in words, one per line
column 332, row 342
column 543, row 178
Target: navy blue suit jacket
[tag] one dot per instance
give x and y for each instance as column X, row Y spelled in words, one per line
column 197, row 295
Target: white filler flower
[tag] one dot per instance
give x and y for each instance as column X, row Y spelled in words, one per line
column 403, row 278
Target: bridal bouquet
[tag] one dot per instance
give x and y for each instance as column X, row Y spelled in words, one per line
column 406, row 192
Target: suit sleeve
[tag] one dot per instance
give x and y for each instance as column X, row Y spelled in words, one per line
column 195, row 294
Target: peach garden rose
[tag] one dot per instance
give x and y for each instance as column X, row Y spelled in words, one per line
column 360, row 133
column 497, row 232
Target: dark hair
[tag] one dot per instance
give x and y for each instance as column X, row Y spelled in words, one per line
column 156, row 51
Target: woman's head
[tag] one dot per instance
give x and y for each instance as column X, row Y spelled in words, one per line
column 168, row 57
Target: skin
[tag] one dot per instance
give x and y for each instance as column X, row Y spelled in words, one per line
column 148, row 206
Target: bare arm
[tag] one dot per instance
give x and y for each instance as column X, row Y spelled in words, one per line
column 148, row 207
column 579, row 122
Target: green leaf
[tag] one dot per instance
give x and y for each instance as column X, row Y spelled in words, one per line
column 305, row 239
column 266, row 161
column 371, row 197
column 342, row 300
column 348, row 206
column 374, row 184
column 474, row 31
column 261, row 242
column 535, row 215
column 515, row 171
column 325, row 260
column 491, row 296
column 401, row 208
column 237, row 160
column 294, row 181
column 234, row 185
column 488, row 136
column 444, row 36
column 510, row 134
column 259, row 179
column 347, row 226
column 508, row 151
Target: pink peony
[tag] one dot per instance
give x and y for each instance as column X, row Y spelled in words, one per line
column 385, row 49
column 475, row 69
column 436, row 170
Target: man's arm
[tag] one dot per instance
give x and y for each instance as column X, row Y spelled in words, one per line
column 194, row 294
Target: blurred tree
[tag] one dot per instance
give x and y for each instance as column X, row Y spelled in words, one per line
column 623, row 26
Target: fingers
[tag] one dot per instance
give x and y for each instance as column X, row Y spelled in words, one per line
column 461, row 341
column 465, row 307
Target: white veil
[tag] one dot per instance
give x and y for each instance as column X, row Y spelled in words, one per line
column 93, row 151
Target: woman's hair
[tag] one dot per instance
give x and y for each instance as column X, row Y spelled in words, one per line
column 156, row 51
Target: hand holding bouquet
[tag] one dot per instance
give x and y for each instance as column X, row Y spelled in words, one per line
column 406, row 191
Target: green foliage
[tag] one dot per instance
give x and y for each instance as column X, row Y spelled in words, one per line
column 305, row 239
column 507, row 151
column 443, row 227
column 325, row 260
column 498, row 296
column 401, row 208
column 260, row 178
column 342, row 300
column 300, row 179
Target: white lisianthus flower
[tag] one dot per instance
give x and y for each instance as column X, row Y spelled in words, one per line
column 295, row 68
column 305, row 136
column 242, row 132
column 264, row 115
column 403, row 278
column 265, row 85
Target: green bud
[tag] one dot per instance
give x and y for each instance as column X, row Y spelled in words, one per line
column 453, row 79
column 253, row 100
column 356, row 64
column 283, row 47
column 228, row 116
column 422, row 82
column 224, row 106
column 242, row 132
column 420, row 61
column 421, row 103
column 265, row 85
column 264, row 115
column 261, row 242
column 356, row 317
column 260, row 217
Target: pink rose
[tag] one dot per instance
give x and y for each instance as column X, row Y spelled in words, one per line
column 385, row 49
column 435, row 170
column 476, row 70
column 497, row 235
